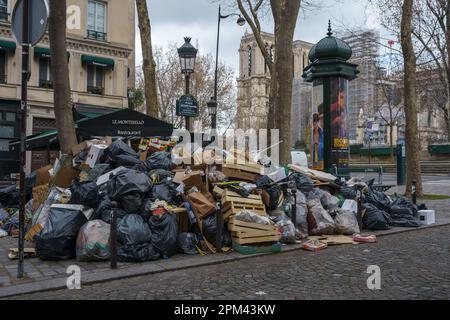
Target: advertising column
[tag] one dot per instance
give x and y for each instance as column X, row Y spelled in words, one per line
column 317, row 126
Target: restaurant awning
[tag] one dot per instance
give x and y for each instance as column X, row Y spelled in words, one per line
column 123, row 123
column 7, row 45
column 97, row 61
column 41, row 52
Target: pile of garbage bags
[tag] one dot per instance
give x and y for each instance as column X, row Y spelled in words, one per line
column 163, row 209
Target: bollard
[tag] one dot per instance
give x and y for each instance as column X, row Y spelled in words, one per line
column 359, row 210
column 414, row 191
column 294, row 208
column 113, row 235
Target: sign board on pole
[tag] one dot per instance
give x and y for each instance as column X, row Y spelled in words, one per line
column 187, row 106
column 37, row 21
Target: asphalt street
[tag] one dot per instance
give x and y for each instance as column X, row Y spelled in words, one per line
column 412, row 265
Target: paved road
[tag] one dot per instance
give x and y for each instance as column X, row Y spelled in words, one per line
column 414, row 265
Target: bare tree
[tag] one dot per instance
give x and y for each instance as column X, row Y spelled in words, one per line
column 410, row 81
column 149, row 65
column 60, row 74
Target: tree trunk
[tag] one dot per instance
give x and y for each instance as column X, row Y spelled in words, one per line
column 149, row 65
column 412, row 143
column 447, row 42
column 391, row 140
column 60, row 75
column 285, row 13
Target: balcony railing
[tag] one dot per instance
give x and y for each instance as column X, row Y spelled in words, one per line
column 96, row 90
column 3, row 78
column 3, row 14
column 46, row 84
column 100, row 36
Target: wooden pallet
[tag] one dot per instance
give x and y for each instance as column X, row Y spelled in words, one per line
column 251, row 233
column 233, row 203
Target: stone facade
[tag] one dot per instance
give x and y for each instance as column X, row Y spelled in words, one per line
column 254, row 85
column 106, row 32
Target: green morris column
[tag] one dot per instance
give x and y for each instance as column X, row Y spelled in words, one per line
column 330, row 73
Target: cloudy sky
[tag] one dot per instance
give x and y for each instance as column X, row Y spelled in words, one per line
column 172, row 20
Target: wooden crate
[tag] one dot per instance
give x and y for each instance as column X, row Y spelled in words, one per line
column 248, row 167
column 251, row 233
column 233, row 203
column 240, row 174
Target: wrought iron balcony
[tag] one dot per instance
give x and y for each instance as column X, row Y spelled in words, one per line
column 100, row 36
column 3, row 78
column 96, row 90
column 47, row 84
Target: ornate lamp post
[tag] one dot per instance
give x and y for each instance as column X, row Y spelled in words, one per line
column 187, row 54
column 212, row 104
column 330, row 73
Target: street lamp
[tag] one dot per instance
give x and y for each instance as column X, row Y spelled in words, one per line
column 212, row 104
column 187, row 54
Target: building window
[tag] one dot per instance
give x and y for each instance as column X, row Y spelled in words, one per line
column 2, row 66
column 96, row 79
column 250, row 60
column 4, row 10
column 96, row 27
column 271, row 53
column 45, row 74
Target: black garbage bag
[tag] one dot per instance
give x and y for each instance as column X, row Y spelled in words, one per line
column 106, row 215
column 128, row 181
column 302, row 182
column 127, row 161
column 349, row 193
column 146, row 209
column 57, row 240
column 273, row 190
column 132, row 230
column 164, row 234
column 263, row 181
column 378, row 199
column 30, row 181
column 160, row 160
column 403, row 217
column 9, row 196
column 98, row 170
column 375, row 219
column 81, row 157
column 402, row 202
column 85, row 193
column 166, row 190
column 137, row 253
column 117, row 148
column 186, row 243
column 104, row 204
column 132, row 203
column 209, row 229
column 275, row 193
column 159, row 175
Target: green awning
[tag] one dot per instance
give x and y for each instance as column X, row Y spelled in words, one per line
column 40, row 52
column 98, row 61
column 7, row 45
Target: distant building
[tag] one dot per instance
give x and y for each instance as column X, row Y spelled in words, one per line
column 362, row 90
column 101, row 58
column 254, row 85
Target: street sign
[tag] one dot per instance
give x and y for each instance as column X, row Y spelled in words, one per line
column 38, row 20
column 187, row 106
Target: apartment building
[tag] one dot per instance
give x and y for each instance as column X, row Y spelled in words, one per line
column 101, row 57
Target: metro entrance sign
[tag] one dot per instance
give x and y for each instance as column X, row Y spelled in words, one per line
column 187, row 106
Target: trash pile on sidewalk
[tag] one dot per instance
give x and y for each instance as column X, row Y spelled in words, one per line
column 164, row 207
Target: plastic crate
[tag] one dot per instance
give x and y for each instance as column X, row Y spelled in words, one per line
column 247, row 250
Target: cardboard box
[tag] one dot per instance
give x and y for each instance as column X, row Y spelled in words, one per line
column 143, row 155
column 87, row 144
column 427, row 217
column 43, row 175
column 202, row 203
column 193, row 179
column 63, row 178
column 95, row 153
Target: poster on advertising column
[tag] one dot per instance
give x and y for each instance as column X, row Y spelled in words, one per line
column 317, row 126
column 338, row 122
